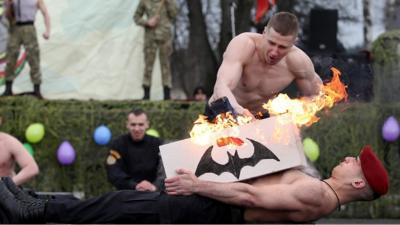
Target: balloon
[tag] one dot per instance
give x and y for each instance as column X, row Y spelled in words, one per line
column 102, row 135
column 34, row 133
column 391, row 129
column 311, row 149
column 29, row 148
column 153, row 132
column 66, row 154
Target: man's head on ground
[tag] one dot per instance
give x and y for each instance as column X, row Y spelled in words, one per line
column 364, row 176
column 137, row 124
column 279, row 36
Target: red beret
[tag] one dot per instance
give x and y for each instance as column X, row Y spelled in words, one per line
column 375, row 173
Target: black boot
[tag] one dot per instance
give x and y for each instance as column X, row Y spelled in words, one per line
column 8, row 90
column 15, row 190
column 146, row 90
column 167, row 93
column 36, row 91
column 21, row 207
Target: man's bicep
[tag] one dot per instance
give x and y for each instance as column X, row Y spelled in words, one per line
column 309, row 84
column 229, row 73
column 307, row 80
column 236, row 55
column 42, row 7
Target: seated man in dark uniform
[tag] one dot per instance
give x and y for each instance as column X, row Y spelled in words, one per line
column 285, row 196
column 134, row 162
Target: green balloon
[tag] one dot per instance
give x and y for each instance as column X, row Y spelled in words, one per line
column 34, row 133
column 153, row 132
column 311, row 149
column 29, row 148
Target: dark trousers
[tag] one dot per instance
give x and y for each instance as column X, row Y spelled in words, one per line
column 4, row 217
column 141, row 207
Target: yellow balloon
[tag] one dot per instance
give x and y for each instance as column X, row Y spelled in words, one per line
column 153, row 132
column 311, row 149
column 34, row 133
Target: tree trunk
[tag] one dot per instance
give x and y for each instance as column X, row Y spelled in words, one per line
column 286, row 5
column 242, row 21
column 367, row 22
column 198, row 64
column 195, row 65
column 201, row 62
column 243, row 16
column 226, row 30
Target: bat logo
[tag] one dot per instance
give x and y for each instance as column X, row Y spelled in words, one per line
column 235, row 163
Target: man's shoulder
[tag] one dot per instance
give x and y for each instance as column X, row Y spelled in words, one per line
column 122, row 137
column 311, row 190
column 296, row 54
column 247, row 37
column 242, row 46
column 120, row 140
column 297, row 60
column 153, row 140
column 6, row 138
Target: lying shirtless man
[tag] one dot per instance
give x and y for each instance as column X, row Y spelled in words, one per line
column 282, row 197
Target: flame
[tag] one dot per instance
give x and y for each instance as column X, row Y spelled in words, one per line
column 233, row 141
column 206, row 133
column 302, row 111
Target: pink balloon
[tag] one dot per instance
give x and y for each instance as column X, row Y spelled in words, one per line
column 66, row 154
column 391, row 129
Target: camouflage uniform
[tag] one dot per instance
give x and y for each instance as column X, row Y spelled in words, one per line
column 23, row 35
column 159, row 37
column 23, row 32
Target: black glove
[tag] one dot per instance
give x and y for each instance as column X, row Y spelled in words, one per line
column 221, row 105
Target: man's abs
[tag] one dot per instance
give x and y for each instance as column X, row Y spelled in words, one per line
column 253, row 97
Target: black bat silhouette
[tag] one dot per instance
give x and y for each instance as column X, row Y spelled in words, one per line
column 235, row 163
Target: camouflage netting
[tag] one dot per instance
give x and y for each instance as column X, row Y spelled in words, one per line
column 386, row 57
column 386, row 48
column 75, row 121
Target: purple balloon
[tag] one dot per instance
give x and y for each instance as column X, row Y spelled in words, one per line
column 66, row 154
column 391, row 129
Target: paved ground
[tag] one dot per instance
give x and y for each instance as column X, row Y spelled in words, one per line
column 358, row 221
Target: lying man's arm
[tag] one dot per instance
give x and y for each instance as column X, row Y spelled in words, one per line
column 274, row 197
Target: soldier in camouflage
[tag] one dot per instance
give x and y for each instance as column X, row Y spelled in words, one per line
column 21, row 15
column 160, row 15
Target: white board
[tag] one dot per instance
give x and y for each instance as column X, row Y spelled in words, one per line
column 277, row 144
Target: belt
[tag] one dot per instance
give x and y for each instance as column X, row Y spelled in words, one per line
column 25, row 23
